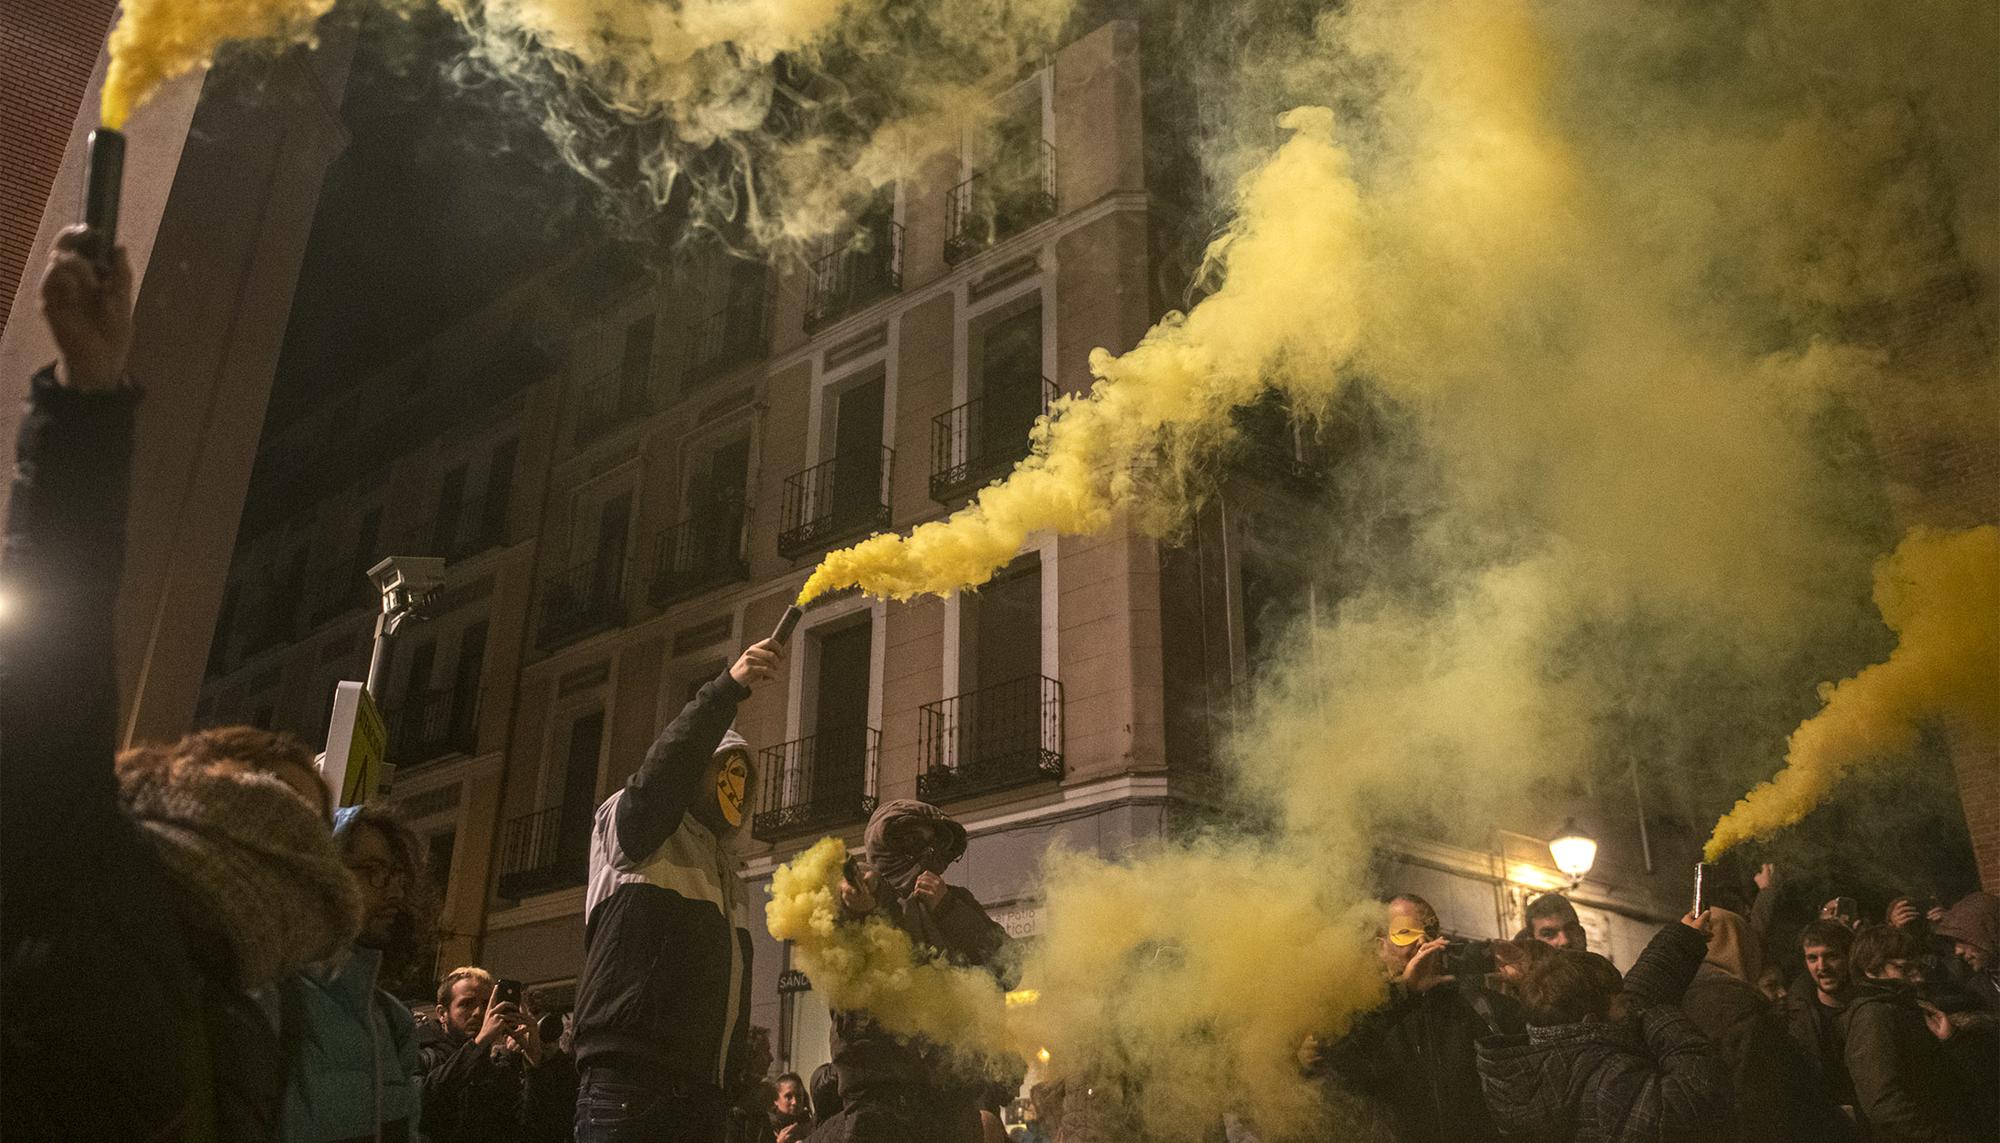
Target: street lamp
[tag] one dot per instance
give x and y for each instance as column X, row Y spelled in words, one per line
column 1574, row 851
column 408, row 584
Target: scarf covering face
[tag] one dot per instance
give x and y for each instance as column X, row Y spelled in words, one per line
column 1732, row 945
column 252, row 861
column 907, row 838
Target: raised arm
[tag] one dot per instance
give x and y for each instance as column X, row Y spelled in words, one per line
column 65, row 548
column 659, row 793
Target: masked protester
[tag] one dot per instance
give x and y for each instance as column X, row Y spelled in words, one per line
column 1411, row 1061
column 893, row 1089
column 663, row 1002
column 143, row 897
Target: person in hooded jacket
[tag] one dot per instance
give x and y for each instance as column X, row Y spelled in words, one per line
column 1780, row 1095
column 143, row 897
column 1911, row 1082
column 1605, row 1060
column 663, row 1001
column 1411, row 1061
column 1973, row 929
column 352, row 1045
column 894, row 1089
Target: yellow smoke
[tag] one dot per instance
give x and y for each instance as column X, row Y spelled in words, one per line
column 1289, row 252
column 1622, row 266
column 1940, row 593
column 873, row 965
column 157, row 40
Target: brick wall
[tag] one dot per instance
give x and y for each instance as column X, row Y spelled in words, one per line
column 48, row 49
column 1938, row 436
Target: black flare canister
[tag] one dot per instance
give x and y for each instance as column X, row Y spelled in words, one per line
column 786, row 623
column 101, row 188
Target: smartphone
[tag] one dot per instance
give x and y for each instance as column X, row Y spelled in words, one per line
column 506, row 991
column 1847, row 909
column 1704, row 883
column 1469, row 958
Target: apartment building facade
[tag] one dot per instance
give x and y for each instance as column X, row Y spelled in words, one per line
column 631, row 474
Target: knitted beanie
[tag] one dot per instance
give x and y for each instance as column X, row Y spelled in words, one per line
column 246, row 851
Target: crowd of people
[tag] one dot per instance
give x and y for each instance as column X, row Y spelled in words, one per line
column 197, row 939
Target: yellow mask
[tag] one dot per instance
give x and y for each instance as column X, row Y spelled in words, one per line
column 732, row 787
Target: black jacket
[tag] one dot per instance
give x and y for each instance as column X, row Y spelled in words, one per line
column 1908, row 1086
column 665, row 986
column 473, row 1096
column 1414, row 1060
column 1781, row 1095
column 1819, row 1033
column 1650, row 1078
column 93, row 949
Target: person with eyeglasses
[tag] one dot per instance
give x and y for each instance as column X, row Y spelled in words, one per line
column 354, row 1046
column 1412, row 1062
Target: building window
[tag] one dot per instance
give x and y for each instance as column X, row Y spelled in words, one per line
column 704, row 548
column 984, row 437
column 847, row 493
column 437, row 860
column 1010, row 178
column 827, row 778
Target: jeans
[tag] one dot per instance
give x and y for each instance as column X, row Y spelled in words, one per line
column 611, row 1108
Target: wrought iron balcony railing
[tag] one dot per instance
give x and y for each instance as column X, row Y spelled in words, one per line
column 437, row 723
column 538, row 856
column 816, row 783
column 699, row 553
column 983, row 438
column 608, row 402
column 854, row 276
column 833, row 500
column 997, row 203
column 587, row 598
column 738, row 332
column 995, row 738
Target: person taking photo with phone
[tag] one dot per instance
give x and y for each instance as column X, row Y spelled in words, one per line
column 492, row 1079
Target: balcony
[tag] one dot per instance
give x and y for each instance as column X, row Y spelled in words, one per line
column 997, row 203
column 851, row 278
column 538, row 856
column 698, row 554
column 437, row 723
column 995, row 738
column 983, row 439
column 585, row 599
column 834, row 500
column 478, row 526
column 738, row 332
column 608, row 402
column 818, row 783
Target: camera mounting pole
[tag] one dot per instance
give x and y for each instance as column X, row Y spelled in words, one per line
column 408, row 585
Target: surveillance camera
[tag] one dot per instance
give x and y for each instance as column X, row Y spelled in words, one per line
column 407, row 581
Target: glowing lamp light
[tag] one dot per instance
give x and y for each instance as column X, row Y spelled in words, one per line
column 1042, row 1055
column 1574, row 851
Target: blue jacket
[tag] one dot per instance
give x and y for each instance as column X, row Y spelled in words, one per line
column 354, row 1055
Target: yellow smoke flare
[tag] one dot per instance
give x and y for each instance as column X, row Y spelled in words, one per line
column 873, row 965
column 1183, row 378
column 1940, row 593
column 158, row 40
